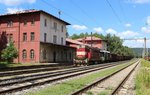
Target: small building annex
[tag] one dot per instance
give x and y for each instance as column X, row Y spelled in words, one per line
column 94, row 42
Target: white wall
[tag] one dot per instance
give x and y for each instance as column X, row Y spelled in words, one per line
column 50, row 31
column 104, row 45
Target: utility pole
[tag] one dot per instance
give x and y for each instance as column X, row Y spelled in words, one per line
column 145, row 50
column 59, row 13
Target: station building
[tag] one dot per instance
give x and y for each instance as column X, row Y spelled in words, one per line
column 38, row 36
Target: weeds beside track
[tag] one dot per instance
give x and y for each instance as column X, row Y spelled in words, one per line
column 143, row 79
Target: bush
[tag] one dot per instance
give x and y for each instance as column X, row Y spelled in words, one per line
column 9, row 53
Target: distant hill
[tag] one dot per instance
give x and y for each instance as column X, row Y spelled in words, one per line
column 138, row 51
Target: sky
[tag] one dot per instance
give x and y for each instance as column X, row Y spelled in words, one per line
column 128, row 19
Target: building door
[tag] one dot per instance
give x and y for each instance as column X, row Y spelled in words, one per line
column 54, row 56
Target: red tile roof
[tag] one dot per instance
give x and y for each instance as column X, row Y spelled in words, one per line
column 76, row 42
column 89, row 38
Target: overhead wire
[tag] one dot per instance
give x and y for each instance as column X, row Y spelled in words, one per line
column 114, row 12
column 122, row 10
column 83, row 11
column 65, row 13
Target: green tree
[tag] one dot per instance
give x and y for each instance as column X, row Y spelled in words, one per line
column 115, row 45
column 9, row 53
column 3, row 42
column 75, row 36
column 98, row 35
column 82, row 35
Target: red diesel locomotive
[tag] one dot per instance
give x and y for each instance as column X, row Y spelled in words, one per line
column 86, row 55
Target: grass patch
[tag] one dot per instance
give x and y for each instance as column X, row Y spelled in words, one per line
column 109, row 88
column 89, row 93
column 5, row 64
column 67, row 87
column 143, row 79
column 103, row 93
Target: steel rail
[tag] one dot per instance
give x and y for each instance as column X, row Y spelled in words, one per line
column 78, row 92
column 19, row 72
column 33, row 70
column 47, row 75
column 51, row 72
column 123, row 81
column 17, row 88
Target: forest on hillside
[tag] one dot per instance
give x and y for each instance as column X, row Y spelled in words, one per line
column 139, row 51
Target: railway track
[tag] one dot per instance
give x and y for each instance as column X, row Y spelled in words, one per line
column 34, row 69
column 117, row 89
column 13, row 85
column 31, row 70
column 84, row 90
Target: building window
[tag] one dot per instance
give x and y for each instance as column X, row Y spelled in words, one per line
column 62, row 40
column 62, row 28
column 31, row 54
column 44, row 54
column 33, row 22
column 54, row 39
column 24, row 54
column 9, row 37
column 32, row 36
column 45, row 22
column 24, row 36
column 45, row 37
column 55, row 26
column 9, row 23
column 25, row 22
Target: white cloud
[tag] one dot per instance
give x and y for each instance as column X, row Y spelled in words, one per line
column 16, row 2
column 111, row 31
column 124, row 34
column 148, row 20
column 98, row 29
column 145, row 29
column 133, row 43
column 128, row 25
column 79, row 27
column 127, row 34
column 139, row 1
column 138, row 42
column 13, row 10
